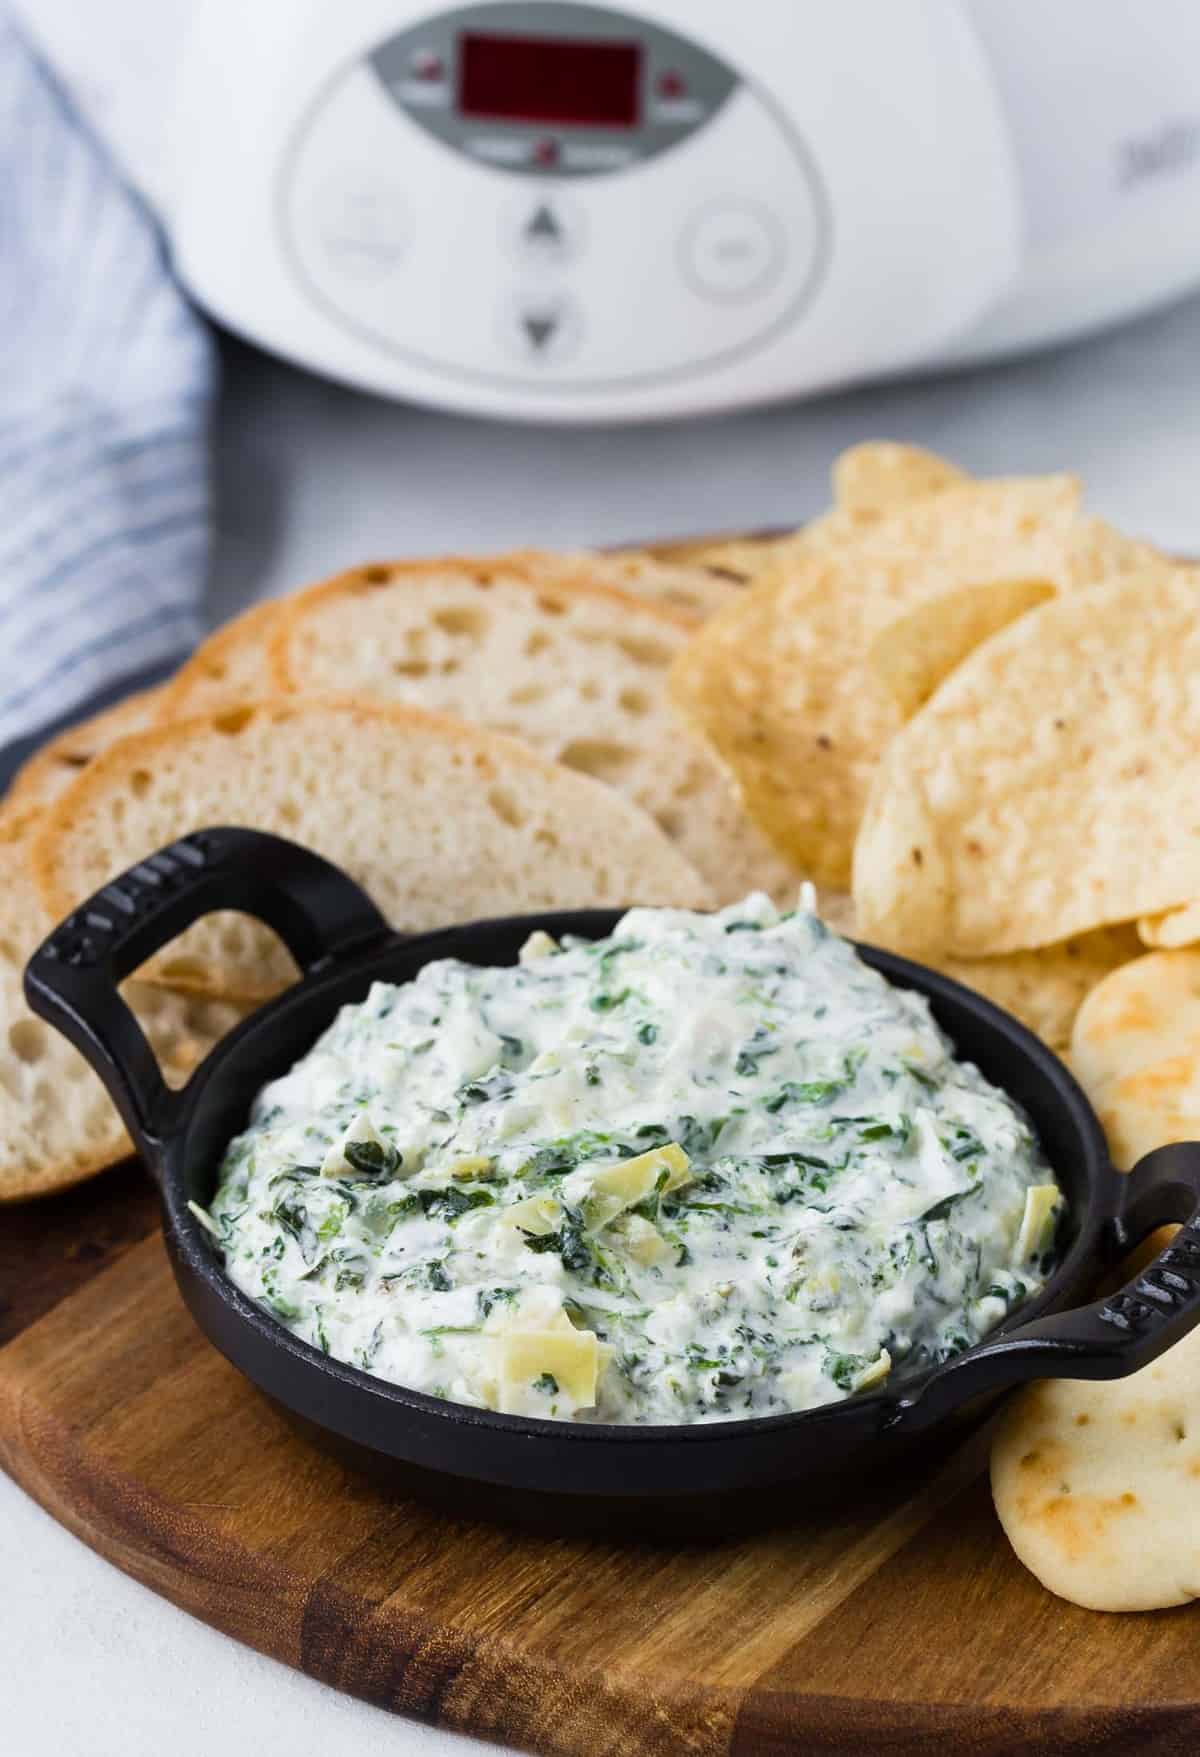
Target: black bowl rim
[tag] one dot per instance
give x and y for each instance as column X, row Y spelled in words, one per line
column 187, row 1237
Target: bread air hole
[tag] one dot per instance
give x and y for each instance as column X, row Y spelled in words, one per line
column 601, row 757
column 184, row 969
column 460, row 619
column 634, row 701
column 410, row 667
column 140, row 782
column 27, row 1039
column 233, row 721
column 506, row 807
column 536, row 643
column 527, row 695
column 644, row 651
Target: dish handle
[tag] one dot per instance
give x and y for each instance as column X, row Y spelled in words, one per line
column 1113, row 1336
column 71, row 980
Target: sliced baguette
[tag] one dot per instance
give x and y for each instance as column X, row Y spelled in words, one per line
column 52, row 769
column 691, row 591
column 439, row 821
column 737, row 558
column 231, row 666
column 574, row 668
column 57, row 1124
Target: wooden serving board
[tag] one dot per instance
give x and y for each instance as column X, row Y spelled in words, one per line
column 902, row 1624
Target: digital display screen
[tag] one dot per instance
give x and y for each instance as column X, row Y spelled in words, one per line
column 538, row 79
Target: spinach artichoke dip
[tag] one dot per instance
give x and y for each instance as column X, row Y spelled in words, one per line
column 710, row 1167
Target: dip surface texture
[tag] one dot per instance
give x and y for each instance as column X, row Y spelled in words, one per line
column 710, row 1167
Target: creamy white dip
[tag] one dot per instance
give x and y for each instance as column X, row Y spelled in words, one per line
column 710, row 1167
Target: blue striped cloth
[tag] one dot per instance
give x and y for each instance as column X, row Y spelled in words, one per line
column 106, row 383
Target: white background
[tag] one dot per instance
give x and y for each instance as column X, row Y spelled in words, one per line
column 313, row 478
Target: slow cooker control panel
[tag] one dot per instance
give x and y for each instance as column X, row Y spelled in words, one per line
column 552, row 194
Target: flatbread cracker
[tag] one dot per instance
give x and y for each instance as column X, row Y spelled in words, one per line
column 1135, row 1050
column 1097, row 1484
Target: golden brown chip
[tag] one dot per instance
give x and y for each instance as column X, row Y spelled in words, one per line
column 880, row 474
column 1045, row 988
column 779, row 684
column 913, row 655
column 1101, row 552
column 1171, row 928
column 1051, row 785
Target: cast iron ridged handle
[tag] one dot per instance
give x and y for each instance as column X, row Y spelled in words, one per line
column 71, row 980
column 1111, row 1337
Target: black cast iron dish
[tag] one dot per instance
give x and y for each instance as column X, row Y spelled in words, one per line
column 692, row 1479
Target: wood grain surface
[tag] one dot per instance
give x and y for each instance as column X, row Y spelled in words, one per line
column 893, row 1627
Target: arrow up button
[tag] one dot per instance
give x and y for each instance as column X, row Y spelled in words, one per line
column 545, row 233
column 543, row 228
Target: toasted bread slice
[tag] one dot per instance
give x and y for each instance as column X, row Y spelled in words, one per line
column 573, row 667
column 733, row 557
column 440, row 822
column 689, row 591
column 57, row 1124
column 52, row 769
column 229, row 667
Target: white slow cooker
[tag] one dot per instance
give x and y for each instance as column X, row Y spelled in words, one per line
column 583, row 212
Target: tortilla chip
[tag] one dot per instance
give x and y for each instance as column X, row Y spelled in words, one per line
column 913, row 655
column 1101, row 552
column 1045, row 988
column 779, row 685
column 1172, row 928
column 1096, row 1484
column 1135, row 1050
column 1051, row 785
column 879, row 475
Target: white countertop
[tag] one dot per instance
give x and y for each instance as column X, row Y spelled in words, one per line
column 312, row 478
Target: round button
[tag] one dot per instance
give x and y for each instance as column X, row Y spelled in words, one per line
column 542, row 231
column 540, row 328
column 362, row 225
column 732, row 251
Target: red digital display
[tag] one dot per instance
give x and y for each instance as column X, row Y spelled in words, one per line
column 537, row 79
